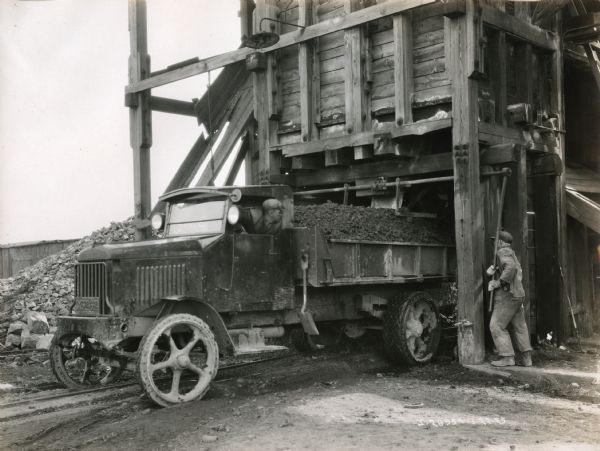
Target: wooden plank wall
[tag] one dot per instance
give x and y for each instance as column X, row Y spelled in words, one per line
column 367, row 78
column 15, row 257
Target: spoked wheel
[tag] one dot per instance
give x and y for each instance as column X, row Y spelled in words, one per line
column 179, row 358
column 75, row 363
column 411, row 328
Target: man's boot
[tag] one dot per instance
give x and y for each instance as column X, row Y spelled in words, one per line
column 525, row 359
column 504, row 361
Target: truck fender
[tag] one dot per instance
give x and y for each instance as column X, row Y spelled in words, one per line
column 207, row 313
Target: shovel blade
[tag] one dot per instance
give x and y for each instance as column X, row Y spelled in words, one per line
column 308, row 323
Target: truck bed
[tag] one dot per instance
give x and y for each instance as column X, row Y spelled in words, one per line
column 340, row 262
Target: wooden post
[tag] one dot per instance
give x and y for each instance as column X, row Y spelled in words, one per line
column 403, row 68
column 140, row 117
column 251, row 163
column 468, row 209
column 306, row 66
column 557, row 103
column 502, row 64
column 355, row 93
column 261, row 106
column 515, row 213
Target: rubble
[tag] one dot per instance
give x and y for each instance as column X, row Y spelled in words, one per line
column 38, row 294
column 37, row 323
column 373, row 224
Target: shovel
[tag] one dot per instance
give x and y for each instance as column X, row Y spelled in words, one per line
column 306, row 318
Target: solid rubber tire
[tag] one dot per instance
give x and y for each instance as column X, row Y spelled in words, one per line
column 395, row 327
column 58, row 368
column 147, row 346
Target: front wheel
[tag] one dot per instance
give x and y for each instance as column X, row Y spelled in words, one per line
column 178, row 359
column 411, row 328
column 76, row 363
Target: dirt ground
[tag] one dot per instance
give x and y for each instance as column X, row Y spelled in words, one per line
column 350, row 399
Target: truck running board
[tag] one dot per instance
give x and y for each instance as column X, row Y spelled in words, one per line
column 252, row 341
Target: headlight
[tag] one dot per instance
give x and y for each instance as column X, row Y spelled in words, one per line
column 158, row 221
column 233, row 215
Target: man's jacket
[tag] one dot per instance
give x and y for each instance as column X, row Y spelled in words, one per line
column 512, row 274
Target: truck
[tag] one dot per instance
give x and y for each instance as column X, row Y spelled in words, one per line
column 210, row 286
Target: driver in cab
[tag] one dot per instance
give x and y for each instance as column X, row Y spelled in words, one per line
column 267, row 220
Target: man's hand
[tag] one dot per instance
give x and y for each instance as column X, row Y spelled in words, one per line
column 493, row 285
column 491, row 270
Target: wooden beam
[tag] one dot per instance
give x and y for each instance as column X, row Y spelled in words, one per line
column 545, row 164
column 558, row 106
column 172, row 106
column 468, row 213
column 503, row 82
column 354, row 87
column 238, row 123
column 306, row 68
column 188, row 169
column 246, row 8
column 498, row 154
column 237, row 163
column 515, row 214
column 339, row 157
column 583, row 209
column 251, row 155
column 386, row 168
column 497, row 134
column 286, row 40
column 403, row 68
column 525, row 73
column 517, row 27
column 261, row 105
column 308, row 162
column 364, row 138
column 140, row 117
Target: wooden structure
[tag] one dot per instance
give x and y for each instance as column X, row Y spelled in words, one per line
column 15, row 257
column 393, row 89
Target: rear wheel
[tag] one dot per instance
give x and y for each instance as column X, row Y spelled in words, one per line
column 411, row 328
column 178, row 359
column 76, row 364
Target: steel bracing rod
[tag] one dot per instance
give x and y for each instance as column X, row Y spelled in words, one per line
column 403, row 183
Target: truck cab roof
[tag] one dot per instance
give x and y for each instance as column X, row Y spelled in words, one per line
column 256, row 192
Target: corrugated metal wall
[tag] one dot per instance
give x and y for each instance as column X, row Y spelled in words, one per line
column 15, row 257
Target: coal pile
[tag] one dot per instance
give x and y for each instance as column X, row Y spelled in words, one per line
column 48, row 286
column 371, row 224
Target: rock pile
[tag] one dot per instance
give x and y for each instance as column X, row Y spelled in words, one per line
column 48, row 287
column 372, row 224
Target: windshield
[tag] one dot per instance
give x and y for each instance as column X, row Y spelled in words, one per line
column 200, row 218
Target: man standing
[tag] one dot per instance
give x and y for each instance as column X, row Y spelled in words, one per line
column 509, row 297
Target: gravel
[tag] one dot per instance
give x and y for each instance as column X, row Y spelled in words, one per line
column 48, row 286
column 372, row 224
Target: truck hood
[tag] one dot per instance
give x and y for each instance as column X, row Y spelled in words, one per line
column 166, row 247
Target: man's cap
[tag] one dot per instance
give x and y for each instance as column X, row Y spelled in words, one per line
column 504, row 236
column 272, row 204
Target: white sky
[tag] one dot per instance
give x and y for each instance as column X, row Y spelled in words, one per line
column 65, row 159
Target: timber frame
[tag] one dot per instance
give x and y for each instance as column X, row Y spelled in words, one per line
column 384, row 89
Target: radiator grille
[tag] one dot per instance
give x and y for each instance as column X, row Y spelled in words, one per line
column 156, row 282
column 91, row 282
